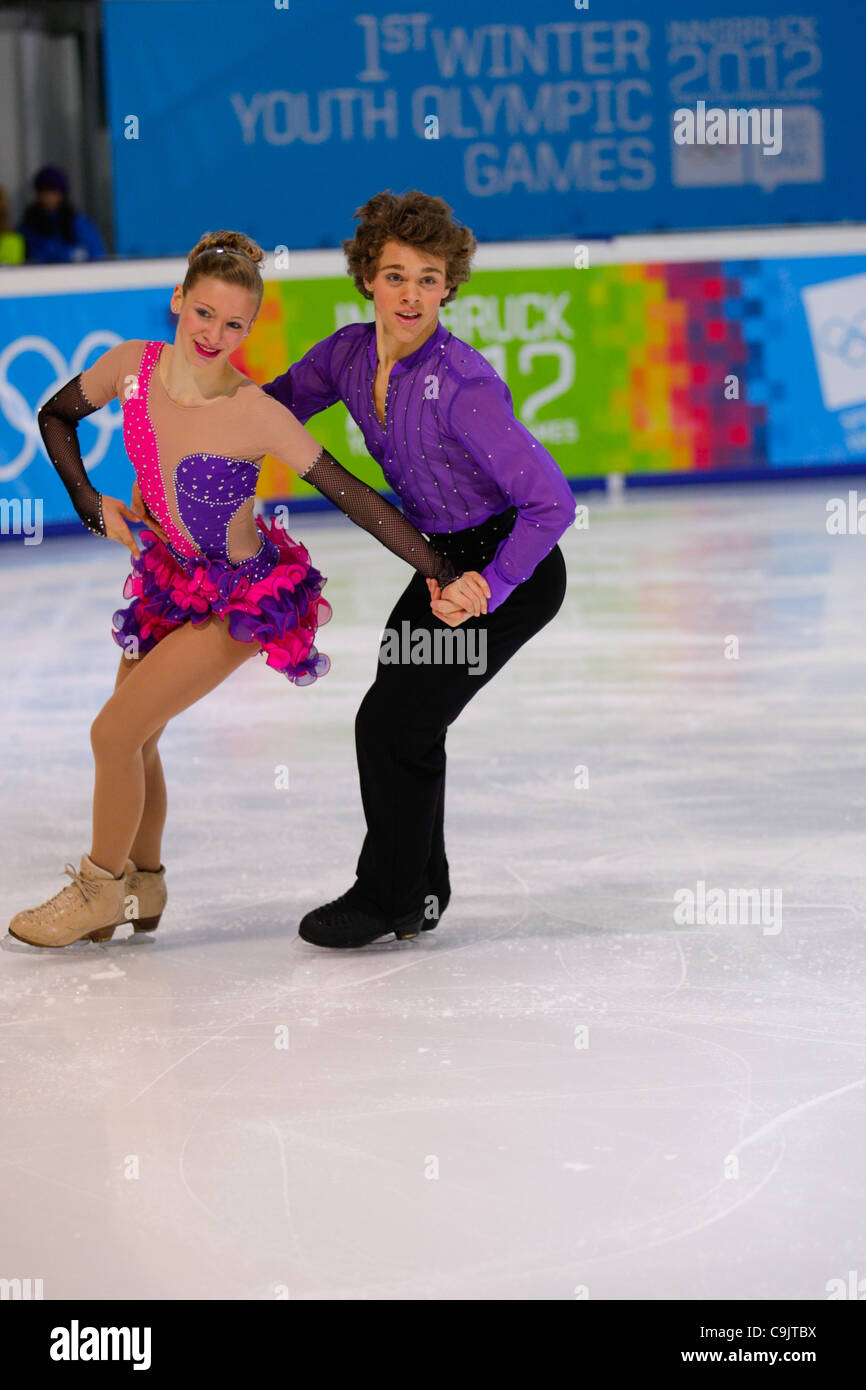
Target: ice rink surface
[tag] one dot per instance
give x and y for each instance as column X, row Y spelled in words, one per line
column 560, row 1092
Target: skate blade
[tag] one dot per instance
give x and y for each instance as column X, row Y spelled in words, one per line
column 104, row 934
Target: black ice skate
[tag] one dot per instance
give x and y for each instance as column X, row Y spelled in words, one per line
column 349, row 921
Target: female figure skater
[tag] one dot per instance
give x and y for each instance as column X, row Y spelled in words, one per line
column 225, row 586
column 440, row 421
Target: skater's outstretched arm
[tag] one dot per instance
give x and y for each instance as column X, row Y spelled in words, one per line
column 368, row 509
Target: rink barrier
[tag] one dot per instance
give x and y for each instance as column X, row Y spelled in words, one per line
column 745, row 475
column 301, row 506
column 639, row 345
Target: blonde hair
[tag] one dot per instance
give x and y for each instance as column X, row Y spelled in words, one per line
column 229, row 256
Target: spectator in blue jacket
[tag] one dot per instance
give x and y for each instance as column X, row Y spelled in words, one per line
column 52, row 228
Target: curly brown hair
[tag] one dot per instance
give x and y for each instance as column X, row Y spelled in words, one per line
column 414, row 219
column 237, row 262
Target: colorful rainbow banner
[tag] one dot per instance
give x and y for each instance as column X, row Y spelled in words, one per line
column 725, row 369
column 634, row 369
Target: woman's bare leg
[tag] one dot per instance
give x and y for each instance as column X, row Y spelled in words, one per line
column 146, row 852
column 179, row 671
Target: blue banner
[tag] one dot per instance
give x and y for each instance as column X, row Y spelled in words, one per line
column 47, row 339
column 549, row 119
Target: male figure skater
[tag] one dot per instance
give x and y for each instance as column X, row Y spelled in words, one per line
column 440, row 422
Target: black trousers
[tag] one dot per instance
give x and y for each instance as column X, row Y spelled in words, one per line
column 401, row 724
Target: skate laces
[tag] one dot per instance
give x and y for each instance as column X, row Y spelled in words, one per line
column 65, row 898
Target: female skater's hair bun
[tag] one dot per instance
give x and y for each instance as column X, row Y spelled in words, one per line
column 230, row 256
column 228, row 241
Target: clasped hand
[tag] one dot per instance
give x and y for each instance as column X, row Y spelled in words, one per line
column 465, row 598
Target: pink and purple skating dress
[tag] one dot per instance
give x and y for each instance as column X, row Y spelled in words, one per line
column 197, row 468
column 200, row 498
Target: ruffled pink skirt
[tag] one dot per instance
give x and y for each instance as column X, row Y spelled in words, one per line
column 281, row 611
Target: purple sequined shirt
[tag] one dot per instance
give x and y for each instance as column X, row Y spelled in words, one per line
column 451, row 447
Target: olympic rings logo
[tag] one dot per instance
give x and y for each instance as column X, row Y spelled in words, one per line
column 22, row 416
column 847, row 340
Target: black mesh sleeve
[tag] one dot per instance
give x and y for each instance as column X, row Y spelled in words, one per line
column 58, row 423
column 364, row 506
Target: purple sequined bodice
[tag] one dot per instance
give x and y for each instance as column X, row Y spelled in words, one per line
column 210, row 488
